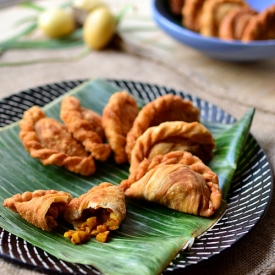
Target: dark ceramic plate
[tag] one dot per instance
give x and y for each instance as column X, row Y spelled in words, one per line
column 248, row 198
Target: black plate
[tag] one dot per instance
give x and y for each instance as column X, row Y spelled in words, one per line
column 248, row 198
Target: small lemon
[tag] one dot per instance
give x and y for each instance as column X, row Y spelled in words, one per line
column 99, row 28
column 56, row 23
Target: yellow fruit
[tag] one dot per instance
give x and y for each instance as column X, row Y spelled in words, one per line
column 87, row 5
column 99, row 28
column 56, row 23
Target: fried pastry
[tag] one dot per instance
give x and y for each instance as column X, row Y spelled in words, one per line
column 190, row 189
column 176, row 6
column 191, row 13
column 234, row 23
column 165, row 108
column 94, row 119
column 174, row 157
column 54, row 135
column 73, row 115
column 95, row 213
column 118, row 117
column 261, row 26
column 173, row 136
column 213, row 12
column 47, row 139
column 27, row 132
column 41, row 207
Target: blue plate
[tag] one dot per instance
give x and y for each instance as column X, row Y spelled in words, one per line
column 211, row 46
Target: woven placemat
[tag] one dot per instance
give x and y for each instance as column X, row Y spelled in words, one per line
column 253, row 255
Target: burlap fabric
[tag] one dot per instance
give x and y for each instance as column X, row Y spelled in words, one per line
column 255, row 254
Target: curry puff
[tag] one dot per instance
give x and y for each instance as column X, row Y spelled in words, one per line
column 47, row 139
column 84, row 127
column 95, row 119
column 191, row 12
column 174, row 157
column 41, row 208
column 96, row 213
column 213, row 12
column 118, row 117
column 164, row 108
column 191, row 189
column 261, row 26
column 173, row 136
column 234, row 23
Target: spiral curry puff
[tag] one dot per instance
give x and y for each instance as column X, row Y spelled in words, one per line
column 226, row 19
column 93, row 214
column 177, row 180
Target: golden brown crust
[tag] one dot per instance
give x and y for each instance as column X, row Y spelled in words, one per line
column 41, row 207
column 176, row 6
column 227, row 25
column 27, row 132
column 241, row 22
column 234, row 22
column 55, row 136
column 83, row 130
column 261, row 26
column 213, row 12
column 229, row 20
column 191, row 12
column 118, row 117
column 96, row 213
column 190, row 189
column 105, row 196
column 164, row 108
column 192, row 137
column 48, row 140
column 175, row 157
column 94, row 119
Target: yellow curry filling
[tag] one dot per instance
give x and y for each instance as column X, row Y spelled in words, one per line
column 98, row 225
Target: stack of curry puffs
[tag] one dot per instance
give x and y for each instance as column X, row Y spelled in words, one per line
column 164, row 143
column 226, row 19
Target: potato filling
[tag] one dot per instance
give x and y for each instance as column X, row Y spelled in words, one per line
column 93, row 223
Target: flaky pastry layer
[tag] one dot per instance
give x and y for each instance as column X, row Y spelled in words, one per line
column 174, row 157
column 190, row 189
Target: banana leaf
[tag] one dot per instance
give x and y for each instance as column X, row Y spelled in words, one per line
column 150, row 236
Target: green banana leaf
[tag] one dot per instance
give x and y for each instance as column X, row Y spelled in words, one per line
column 150, row 236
